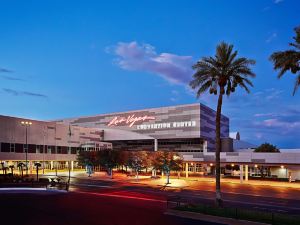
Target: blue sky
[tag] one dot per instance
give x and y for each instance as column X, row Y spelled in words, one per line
column 70, row 58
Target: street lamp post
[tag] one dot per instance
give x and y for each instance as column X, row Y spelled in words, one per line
column 26, row 124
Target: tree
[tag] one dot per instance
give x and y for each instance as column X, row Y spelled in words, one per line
column 85, row 158
column 167, row 161
column 266, row 147
column 12, row 169
column 3, row 168
column 37, row 165
column 289, row 60
column 221, row 75
column 88, row 159
column 108, row 159
column 20, row 166
column 138, row 161
column 124, row 159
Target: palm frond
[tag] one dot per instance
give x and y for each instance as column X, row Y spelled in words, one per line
column 297, row 84
column 224, row 71
column 242, row 85
column 204, row 88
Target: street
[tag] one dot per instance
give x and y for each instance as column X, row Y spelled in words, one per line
column 260, row 197
column 100, row 200
column 75, row 208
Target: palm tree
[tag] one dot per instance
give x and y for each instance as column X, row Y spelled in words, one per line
column 37, row 165
column 2, row 167
column 221, row 75
column 289, row 60
column 12, row 169
column 20, row 166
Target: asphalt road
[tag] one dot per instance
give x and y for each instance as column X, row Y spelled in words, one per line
column 267, row 198
column 76, row 208
column 117, row 202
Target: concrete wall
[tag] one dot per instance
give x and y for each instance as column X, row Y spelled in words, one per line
column 283, row 158
column 46, row 133
column 8, row 156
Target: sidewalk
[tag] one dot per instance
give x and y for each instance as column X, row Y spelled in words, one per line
column 249, row 182
column 182, row 182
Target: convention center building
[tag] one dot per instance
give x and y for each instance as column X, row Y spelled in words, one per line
column 186, row 129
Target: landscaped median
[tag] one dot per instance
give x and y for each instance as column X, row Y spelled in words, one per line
column 232, row 216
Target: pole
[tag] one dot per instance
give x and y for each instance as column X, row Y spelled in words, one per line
column 26, row 150
column 44, row 152
column 69, row 152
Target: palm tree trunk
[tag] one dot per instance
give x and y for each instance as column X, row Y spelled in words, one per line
column 218, row 150
column 37, row 174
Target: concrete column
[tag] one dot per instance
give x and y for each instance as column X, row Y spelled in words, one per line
column 72, row 165
column 162, row 173
column 241, row 173
column 194, row 167
column 246, row 172
column 51, row 165
column 187, row 170
column 205, row 146
column 155, row 145
column 31, row 166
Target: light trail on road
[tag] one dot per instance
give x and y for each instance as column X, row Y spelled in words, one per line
column 121, row 196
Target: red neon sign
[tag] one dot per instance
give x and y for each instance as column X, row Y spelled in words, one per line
column 129, row 120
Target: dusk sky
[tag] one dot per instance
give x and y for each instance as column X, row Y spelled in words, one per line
column 63, row 59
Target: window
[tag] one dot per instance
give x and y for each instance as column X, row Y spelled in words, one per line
column 25, row 148
column 12, row 147
column 38, row 150
column 48, row 149
column 5, row 147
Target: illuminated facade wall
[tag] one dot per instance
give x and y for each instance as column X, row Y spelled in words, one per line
column 43, row 137
column 193, row 121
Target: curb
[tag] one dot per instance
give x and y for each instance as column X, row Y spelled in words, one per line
column 209, row 218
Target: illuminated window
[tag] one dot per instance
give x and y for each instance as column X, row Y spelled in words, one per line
column 25, row 148
column 37, row 149
column 12, row 147
column 49, row 149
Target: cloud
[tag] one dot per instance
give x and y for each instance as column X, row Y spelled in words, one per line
column 285, row 120
column 23, row 93
column 10, row 91
column 3, row 70
column 277, row 1
column 264, row 114
column 175, row 96
column 282, row 127
column 6, row 77
column 11, row 78
column 267, row 8
column 271, row 37
column 174, row 68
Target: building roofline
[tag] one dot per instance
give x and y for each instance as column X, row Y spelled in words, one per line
column 129, row 111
